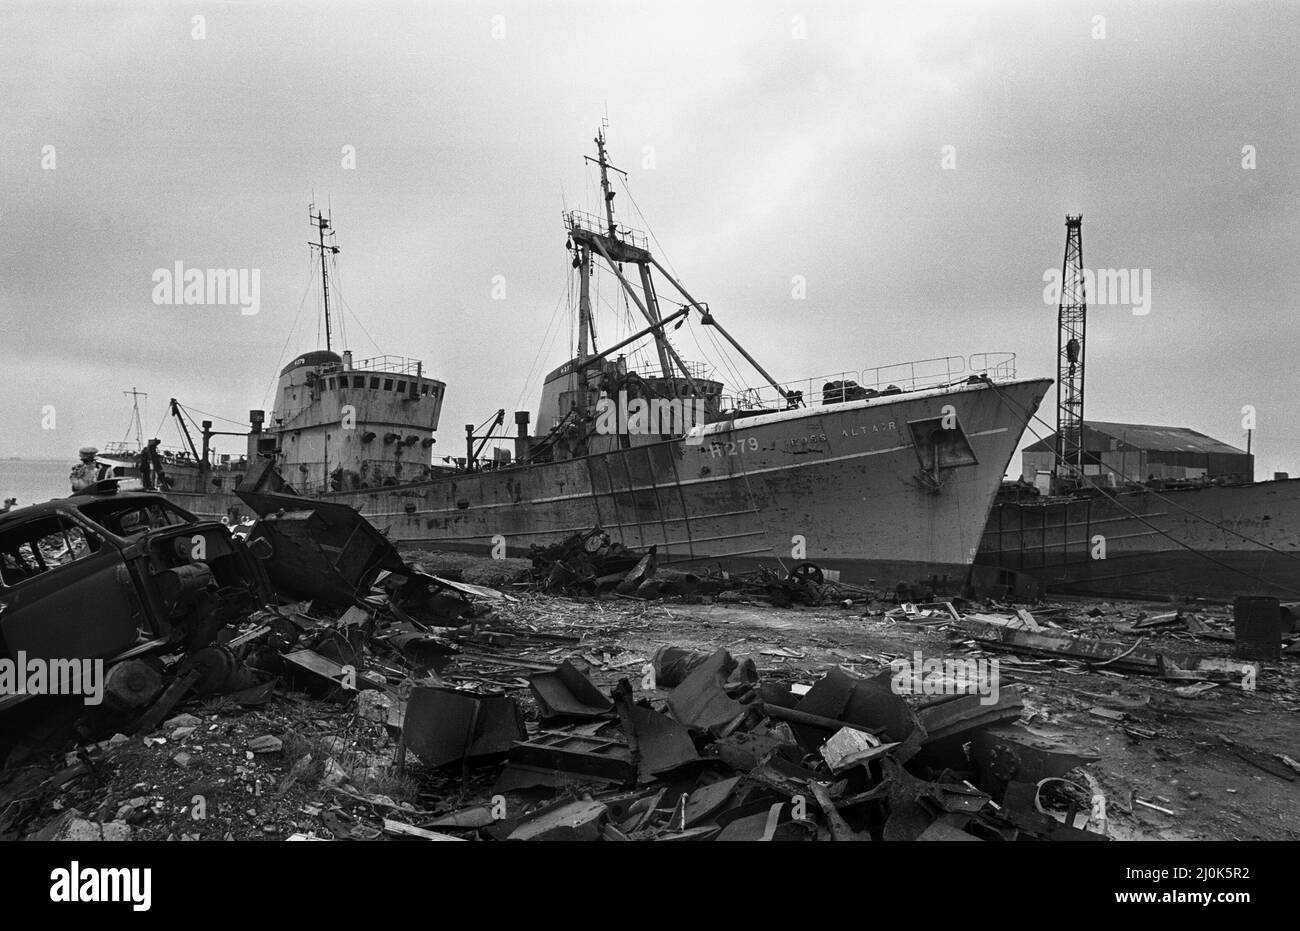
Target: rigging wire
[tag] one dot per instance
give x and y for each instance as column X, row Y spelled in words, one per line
column 180, row 434
column 638, row 355
column 338, row 290
column 491, row 419
column 646, row 223
column 218, row 417
column 127, row 434
column 546, row 337
column 190, row 418
column 739, row 382
column 275, row 373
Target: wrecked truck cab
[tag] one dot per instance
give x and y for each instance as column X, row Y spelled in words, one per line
column 98, row 576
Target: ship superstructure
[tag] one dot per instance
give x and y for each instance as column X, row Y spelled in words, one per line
column 340, row 425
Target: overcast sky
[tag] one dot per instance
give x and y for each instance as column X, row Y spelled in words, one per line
column 763, row 141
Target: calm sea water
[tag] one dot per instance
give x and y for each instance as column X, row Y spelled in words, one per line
column 34, row 480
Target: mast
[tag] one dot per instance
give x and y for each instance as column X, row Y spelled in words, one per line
column 652, row 304
column 587, row 236
column 651, row 311
column 604, row 181
column 323, row 225
column 584, row 303
column 615, row 250
column 1071, row 324
column 135, row 416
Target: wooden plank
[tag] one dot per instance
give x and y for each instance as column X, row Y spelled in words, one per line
column 409, row 830
column 1120, row 655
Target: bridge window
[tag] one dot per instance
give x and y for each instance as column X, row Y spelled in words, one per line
column 374, row 384
column 388, row 384
column 358, row 381
column 401, row 386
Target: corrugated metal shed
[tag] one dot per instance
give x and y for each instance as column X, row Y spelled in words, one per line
column 1144, row 436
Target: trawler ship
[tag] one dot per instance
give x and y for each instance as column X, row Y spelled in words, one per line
column 393, row 406
column 885, row 475
column 1156, row 511
column 152, row 466
column 1213, row 541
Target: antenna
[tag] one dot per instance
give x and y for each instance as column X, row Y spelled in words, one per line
column 324, row 225
column 605, row 169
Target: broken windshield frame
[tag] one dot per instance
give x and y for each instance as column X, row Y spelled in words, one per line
column 130, row 517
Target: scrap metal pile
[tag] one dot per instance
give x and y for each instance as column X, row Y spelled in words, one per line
column 697, row 746
column 590, row 563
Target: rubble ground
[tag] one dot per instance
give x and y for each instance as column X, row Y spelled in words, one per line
column 1206, row 760
column 1184, row 765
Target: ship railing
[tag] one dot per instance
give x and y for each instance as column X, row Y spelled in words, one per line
column 700, row 371
column 174, row 455
column 581, row 220
column 171, row 456
column 388, row 365
column 911, row 376
column 901, row 376
column 996, row 365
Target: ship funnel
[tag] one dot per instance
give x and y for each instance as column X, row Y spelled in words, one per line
column 521, row 435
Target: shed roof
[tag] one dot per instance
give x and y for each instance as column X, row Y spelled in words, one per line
column 1149, row 437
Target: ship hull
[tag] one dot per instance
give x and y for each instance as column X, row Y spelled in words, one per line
column 1214, row 542
column 844, row 485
